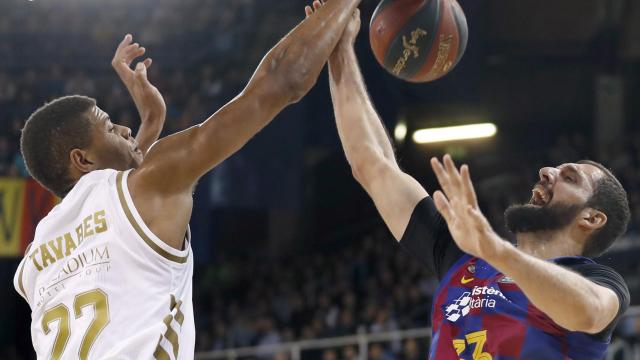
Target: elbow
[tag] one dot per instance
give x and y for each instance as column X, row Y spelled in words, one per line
column 591, row 320
column 584, row 324
column 589, row 323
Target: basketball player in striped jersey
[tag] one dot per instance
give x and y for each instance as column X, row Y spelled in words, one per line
column 545, row 298
column 109, row 272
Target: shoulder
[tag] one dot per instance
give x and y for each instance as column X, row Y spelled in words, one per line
column 96, row 176
column 602, row 275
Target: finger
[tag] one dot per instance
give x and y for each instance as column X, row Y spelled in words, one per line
column 129, row 56
column 443, row 206
column 147, row 62
column 317, row 4
column 479, row 220
column 308, row 10
column 453, row 172
column 130, row 49
column 126, row 41
column 467, row 185
column 141, row 71
column 441, row 175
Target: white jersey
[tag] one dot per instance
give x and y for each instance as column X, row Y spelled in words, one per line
column 101, row 285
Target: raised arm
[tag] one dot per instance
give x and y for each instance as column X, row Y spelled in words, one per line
column 162, row 186
column 146, row 97
column 365, row 141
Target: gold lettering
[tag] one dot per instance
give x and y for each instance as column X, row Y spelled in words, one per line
column 69, row 244
column 57, row 250
column 444, row 48
column 65, row 245
column 46, row 256
column 410, row 47
column 100, row 221
column 447, row 66
column 88, row 230
column 79, row 233
column 33, row 257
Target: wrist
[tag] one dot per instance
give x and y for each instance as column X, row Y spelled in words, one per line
column 150, row 117
column 499, row 251
column 341, row 54
column 345, row 46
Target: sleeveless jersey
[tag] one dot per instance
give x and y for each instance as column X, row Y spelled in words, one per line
column 101, row 285
column 480, row 314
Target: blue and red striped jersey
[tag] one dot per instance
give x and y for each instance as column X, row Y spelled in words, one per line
column 480, row 314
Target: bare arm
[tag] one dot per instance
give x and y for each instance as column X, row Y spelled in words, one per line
column 146, row 97
column 569, row 299
column 171, row 168
column 365, row 141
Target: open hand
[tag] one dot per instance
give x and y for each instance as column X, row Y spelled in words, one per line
column 459, row 206
column 147, row 98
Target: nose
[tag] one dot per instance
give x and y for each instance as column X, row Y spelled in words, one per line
column 548, row 175
column 125, row 132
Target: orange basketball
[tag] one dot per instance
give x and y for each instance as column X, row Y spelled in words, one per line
column 418, row 40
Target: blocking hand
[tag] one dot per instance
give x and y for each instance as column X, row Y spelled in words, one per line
column 458, row 204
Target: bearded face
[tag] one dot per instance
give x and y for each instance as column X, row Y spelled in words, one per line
column 556, row 200
column 533, row 218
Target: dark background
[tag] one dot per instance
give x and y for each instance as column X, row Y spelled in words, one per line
column 560, row 80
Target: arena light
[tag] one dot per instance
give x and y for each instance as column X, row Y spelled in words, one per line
column 400, row 132
column 463, row 132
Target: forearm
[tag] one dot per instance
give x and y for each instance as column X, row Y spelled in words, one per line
column 294, row 64
column 285, row 74
column 367, row 147
column 569, row 299
column 361, row 131
column 149, row 131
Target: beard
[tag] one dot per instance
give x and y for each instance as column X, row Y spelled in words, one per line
column 531, row 218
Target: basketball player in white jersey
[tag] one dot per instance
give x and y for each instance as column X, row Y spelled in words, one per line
column 108, row 275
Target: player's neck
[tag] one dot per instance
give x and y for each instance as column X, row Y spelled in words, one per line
column 548, row 244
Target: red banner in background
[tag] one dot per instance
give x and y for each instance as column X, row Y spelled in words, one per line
column 23, row 203
column 38, row 202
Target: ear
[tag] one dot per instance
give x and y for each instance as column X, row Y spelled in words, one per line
column 80, row 161
column 592, row 219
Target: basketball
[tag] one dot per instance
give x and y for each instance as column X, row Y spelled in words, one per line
column 418, row 40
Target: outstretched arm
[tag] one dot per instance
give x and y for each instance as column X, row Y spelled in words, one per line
column 161, row 187
column 365, row 141
column 146, row 97
column 569, row 299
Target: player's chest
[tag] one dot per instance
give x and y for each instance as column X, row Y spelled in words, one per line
column 475, row 290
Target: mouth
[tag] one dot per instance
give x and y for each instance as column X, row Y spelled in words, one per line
column 540, row 196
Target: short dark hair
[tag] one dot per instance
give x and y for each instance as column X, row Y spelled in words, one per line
column 609, row 197
column 48, row 136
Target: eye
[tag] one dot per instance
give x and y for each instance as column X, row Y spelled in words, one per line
column 569, row 178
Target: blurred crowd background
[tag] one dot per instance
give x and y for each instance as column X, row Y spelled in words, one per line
column 288, row 247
